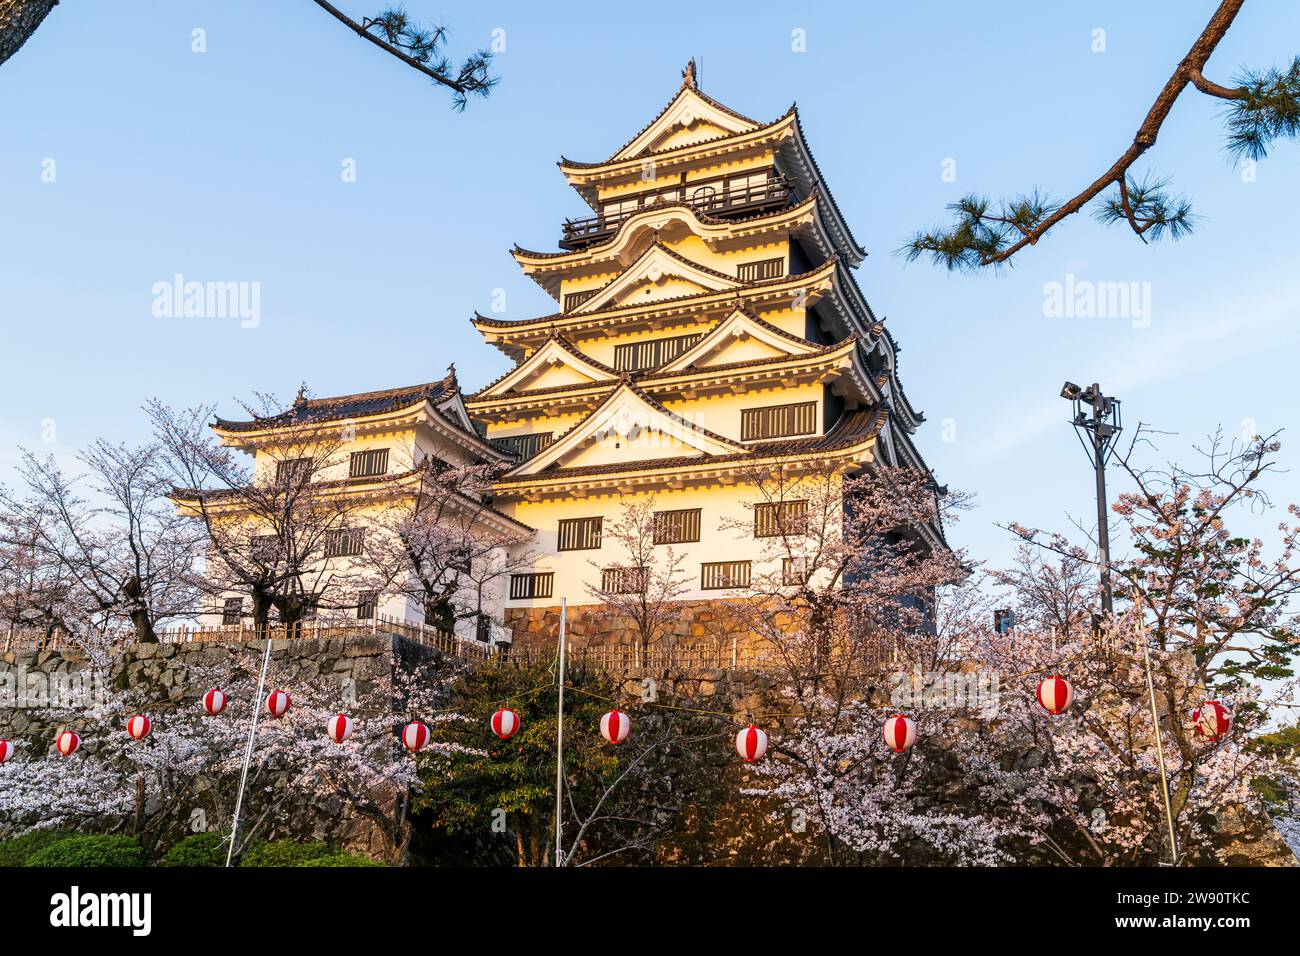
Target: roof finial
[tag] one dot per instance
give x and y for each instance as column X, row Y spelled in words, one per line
column 302, row 394
column 688, row 74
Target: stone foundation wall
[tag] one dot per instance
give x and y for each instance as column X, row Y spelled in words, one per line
column 169, row 674
column 592, row 625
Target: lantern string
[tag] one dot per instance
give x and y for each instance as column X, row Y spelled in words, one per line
column 727, row 715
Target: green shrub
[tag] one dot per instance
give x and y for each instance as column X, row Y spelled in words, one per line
column 199, row 849
column 91, row 850
column 341, row 859
column 286, row 853
column 15, row 851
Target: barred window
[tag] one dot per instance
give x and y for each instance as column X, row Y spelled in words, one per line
column 794, row 571
column 345, row 542
column 580, row 534
column 677, row 527
column 533, row 585
column 292, row 471
column 363, row 464
column 526, row 446
column 775, row 518
column 232, row 610
column 483, row 628
column 367, row 605
column 717, row 575
column 778, row 421
column 574, row 299
column 762, row 269
column 623, row 580
column 637, row 356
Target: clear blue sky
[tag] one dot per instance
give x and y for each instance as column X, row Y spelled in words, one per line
column 226, row 165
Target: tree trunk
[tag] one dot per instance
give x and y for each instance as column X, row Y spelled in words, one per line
column 141, row 619
column 18, row 21
column 261, row 612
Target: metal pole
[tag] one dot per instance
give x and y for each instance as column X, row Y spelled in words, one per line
column 559, row 744
column 248, row 751
column 1103, row 528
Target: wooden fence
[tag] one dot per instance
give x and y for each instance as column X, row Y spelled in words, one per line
column 444, row 641
column 733, row 655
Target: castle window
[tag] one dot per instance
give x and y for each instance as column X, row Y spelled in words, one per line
column 526, row 446
column 367, row 605
column 623, row 580
column 778, row 421
column 777, row 518
column 677, row 527
column 344, row 542
column 363, row 464
column 232, row 610
column 534, row 585
column 637, row 356
column 717, row 575
column 574, row 299
column 292, row 471
column 579, row 534
column 763, row 269
column 794, row 571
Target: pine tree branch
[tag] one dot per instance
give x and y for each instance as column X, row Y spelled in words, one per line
column 410, row 61
column 972, row 244
column 393, row 33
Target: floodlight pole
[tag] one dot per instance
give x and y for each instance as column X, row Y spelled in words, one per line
column 1103, row 525
column 1097, row 415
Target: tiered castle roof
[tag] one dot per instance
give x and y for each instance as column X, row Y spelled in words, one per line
column 647, row 264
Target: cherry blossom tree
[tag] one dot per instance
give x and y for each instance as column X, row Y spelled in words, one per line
column 129, row 559
column 272, row 527
column 645, row 583
column 184, row 775
column 441, row 544
column 843, row 594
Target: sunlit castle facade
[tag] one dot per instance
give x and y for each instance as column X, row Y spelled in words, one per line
column 708, row 322
column 708, row 325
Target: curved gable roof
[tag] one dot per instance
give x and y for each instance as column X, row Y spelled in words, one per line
column 627, row 405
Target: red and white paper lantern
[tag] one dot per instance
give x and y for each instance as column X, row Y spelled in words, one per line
column 900, row 733
column 414, row 736
column 1055, row 694
column 139, row 726
column 214, row 701
column 67, row 743
column 615, row 726
column 505, row 723
column 6, row 751
column 1211, row 720
column 339, row 727
column 277, row 703
column 751, row 743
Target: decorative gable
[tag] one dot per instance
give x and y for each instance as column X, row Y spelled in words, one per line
column 554, row 364
column 659, row 273
column 689, row 117
column 740, row 337
column 629, row 426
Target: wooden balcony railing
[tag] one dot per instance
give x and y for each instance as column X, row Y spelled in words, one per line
column 716, row 197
